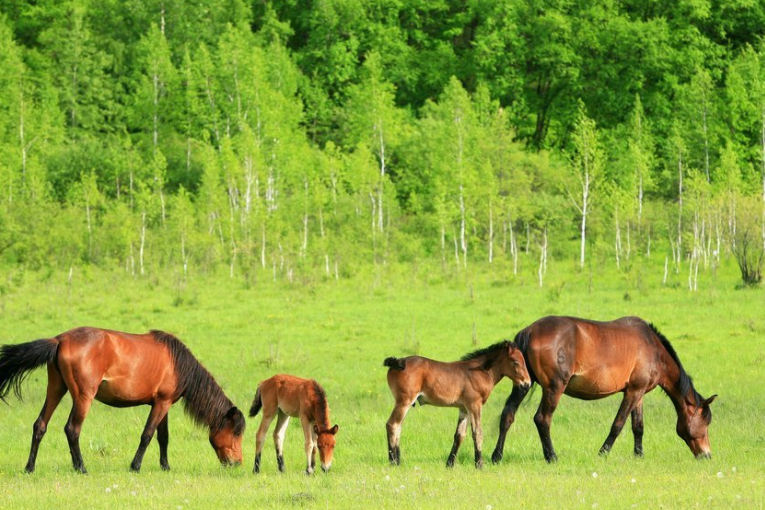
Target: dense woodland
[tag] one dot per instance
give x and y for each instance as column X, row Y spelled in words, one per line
column 313, row 137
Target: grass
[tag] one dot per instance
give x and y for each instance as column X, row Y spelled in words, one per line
column 339, row 333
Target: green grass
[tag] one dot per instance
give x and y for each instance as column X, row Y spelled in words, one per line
column 339, row 333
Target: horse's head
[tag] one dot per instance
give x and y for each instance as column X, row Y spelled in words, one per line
column 325, row 441
column 227, row 441
column 692, row 425
column 514, row 367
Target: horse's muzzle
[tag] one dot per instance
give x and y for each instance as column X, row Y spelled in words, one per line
column 704, row 456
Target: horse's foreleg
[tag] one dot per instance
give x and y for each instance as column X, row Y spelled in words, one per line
column 637, row 427
column 56, row 391
column 507, row 419
column 393, row 427
column 281, row 427
column 156, row 415
column 459, row 436
column 260, row 436
column 163, row 438
column 628, row 404
column 309, row 445
column 73, row 427
column 543, row 419
column 475, row 426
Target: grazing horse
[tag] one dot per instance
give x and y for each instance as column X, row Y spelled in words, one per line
column 284, row 396
column 464, row 384
column 123, row 370
column 591, row 360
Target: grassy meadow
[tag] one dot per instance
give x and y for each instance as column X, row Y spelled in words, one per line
column 339, row 333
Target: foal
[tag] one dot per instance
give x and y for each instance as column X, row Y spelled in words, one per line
column 464, row 384
column 284, row 396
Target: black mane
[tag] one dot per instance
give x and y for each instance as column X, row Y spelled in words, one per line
column 321, row 410
column 203, row 398
column 490, row 354
column 685, row 382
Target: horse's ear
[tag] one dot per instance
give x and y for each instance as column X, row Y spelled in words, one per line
column 334, row 429
column 316, row 429
column 710, row 399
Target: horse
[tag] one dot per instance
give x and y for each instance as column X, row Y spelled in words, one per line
column 590, row 360
column 284, row 396
column 123, row 370
column 464, row 384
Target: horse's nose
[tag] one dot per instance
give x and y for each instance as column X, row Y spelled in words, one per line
column 704, row 455
column 325, row 468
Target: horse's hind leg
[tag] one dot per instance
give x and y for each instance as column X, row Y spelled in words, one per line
column 281, row 428
column 459, row 436
column 629, row 401
column 56, row 391
column 637, row 427
column 73, row 427
column 507, row 419
column 156, row 415
column 393, row 427
column 543, row 419
column 163, row 438
column 260, row 437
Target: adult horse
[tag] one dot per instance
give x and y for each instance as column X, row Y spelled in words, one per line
column 464, row 384
column 590, row 360
column 123, row 370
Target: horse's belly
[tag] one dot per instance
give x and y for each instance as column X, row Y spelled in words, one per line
column 120, row 395
column 590, row 388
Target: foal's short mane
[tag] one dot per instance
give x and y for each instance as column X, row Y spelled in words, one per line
column 490, row 354
column 685, row 382
column 203, row 398
column 320, row 408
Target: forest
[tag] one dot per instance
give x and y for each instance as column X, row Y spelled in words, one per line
column 295, row 138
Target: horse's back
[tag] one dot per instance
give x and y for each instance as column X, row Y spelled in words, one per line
column 123, row 369
column 593, row 358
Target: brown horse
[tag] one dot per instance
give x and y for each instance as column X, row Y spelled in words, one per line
column 284, row 396
column 591, row 360
column 464, row 384
column 123, row 370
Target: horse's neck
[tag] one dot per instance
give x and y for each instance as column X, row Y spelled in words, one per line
column 671, row 383
column 321, row 414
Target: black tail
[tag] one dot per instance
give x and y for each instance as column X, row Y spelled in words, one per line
column 395, row 363
column 522, row 340
column 257, row 404
column 16, row 361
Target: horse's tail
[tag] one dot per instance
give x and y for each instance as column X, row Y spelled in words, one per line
column 395, row 363
column 16, row 361
column 521, row 341
column 257, row 404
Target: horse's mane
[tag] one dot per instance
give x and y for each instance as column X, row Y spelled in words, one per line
column 321, row 409
column 490, row 354
column 203, row 398
column 685, row 382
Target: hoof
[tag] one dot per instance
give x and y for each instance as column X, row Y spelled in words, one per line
column 496, row 458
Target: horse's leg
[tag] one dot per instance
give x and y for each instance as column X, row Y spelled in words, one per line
column 156, row 415
column 459, row 436
column 56, row 391
column 543, row 418
column 315, row 438
column 73, row 427
column 309, row 445
column 281, row 427
column 507, row 419
column 163, row 437
column 260, row 436
column 475, row 426
column 629, row 401
column 393, row 427
column 637, row 427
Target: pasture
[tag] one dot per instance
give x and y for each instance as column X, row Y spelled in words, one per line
column 339, row 333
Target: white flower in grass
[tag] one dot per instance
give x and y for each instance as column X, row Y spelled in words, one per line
column 633, row 481
column 594, row 474
column 108, row 490
column 733, row 469
column 488, row 507
column 719, row 474
column 387, row 477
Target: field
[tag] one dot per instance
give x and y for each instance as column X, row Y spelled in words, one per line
column 339, row 333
